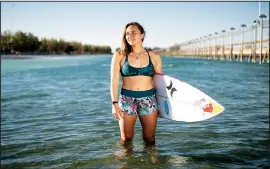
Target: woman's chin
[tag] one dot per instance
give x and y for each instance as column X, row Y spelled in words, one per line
column 132, row 43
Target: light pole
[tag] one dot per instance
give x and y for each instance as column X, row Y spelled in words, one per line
column 223, row 48
column 231, row 53
column 215, row 45
column 198, row 46
column 242, row 41
column 189, row 48
column 201, row 46
column 205, row 45
column 210, row 51
column 194, row 47
column 255, row 24
column 262, row 16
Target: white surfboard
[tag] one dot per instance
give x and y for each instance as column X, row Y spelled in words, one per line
column 177, row 100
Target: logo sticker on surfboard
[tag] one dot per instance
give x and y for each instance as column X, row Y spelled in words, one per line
column 171, row 88
column 166, row 107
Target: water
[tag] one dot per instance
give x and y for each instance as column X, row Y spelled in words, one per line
column 56, row 113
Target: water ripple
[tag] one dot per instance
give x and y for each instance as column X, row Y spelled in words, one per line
column 57, row 114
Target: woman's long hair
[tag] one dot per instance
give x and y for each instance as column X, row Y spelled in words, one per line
column 126, row 48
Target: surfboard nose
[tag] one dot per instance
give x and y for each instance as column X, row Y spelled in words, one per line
column 217, row 108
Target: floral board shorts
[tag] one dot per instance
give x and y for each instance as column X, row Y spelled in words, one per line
column 138, row 102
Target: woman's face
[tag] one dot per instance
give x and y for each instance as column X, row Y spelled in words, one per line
column 133, row 35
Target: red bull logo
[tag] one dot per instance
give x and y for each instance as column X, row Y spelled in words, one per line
column 208, row 108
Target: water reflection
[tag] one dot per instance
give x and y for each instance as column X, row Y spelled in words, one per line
column 139, row 155
column 125, row 151
column 152, row 152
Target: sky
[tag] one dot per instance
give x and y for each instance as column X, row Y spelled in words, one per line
column 102, row 23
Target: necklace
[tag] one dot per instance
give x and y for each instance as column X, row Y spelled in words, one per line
column 137, row 57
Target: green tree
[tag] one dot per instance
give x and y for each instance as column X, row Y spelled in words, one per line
column 6, row 42
column 43, row 46
column 27, row 42
column 69, row 49
column 32, row 42
column 19, row 41
column 61, row 46
column 77, row 46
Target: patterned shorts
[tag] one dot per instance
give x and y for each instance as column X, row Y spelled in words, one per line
column 138, row 102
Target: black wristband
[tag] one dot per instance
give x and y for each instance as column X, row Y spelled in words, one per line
column 114, row 102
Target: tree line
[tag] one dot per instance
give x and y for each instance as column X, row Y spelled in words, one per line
column 22, row 42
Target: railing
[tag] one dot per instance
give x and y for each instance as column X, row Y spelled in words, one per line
column 248, row 41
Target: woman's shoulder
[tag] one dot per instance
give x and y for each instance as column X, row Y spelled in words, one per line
column 119, row 54
column 154, row 55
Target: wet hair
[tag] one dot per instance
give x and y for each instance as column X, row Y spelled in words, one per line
column 126, row 48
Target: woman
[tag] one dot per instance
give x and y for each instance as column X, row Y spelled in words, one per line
column 137, row 67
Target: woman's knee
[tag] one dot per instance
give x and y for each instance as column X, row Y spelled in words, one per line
column 149, row 139
column 126, row 138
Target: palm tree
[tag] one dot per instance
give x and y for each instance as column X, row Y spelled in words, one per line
column 231, row 53
column 262, row 16
column 242, row 40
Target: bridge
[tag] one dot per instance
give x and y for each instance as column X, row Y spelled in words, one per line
column 249, row 43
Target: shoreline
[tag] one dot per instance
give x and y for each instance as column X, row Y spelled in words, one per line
column 7, row 57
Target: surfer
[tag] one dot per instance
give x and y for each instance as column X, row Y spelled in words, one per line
column 137, row 98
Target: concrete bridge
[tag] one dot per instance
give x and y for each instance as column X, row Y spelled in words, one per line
column 251, row 43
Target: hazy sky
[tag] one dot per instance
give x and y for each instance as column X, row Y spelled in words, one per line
column 102, row 23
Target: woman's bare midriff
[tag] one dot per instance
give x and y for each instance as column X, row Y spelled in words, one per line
column 137, row 83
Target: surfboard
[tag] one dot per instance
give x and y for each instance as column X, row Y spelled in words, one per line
column 180, row 101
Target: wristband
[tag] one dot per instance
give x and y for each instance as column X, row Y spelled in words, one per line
column 114, row 102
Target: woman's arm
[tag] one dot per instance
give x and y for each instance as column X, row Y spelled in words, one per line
column 157, row 62
column 115, row 70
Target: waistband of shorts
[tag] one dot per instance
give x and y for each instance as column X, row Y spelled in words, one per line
column 137, row 94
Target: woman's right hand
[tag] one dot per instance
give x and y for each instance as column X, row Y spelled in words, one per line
column 116, row 111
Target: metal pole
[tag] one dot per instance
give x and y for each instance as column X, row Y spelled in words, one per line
column 210, row 46
column 230, row 57
column 215, row 46
column 205, row 49
column 261, row 32
column 223, row 48
column 255, row 41
column 242, row 40
column 262, row 16
column 232, row 29
column 193, row 48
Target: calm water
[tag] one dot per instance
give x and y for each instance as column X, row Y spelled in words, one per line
column 56, row 113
